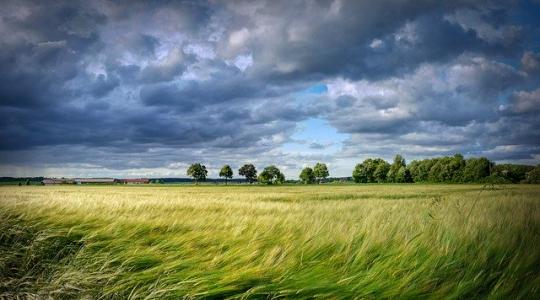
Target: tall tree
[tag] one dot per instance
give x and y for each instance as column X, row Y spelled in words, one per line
column 403, row 175
column 399, row 162
column 456, row 167
column 307, row 176
column 271, row 175
column 320, row 171
column 226, row 172
column 248, row 171
column 380, row 172
column 198, row 172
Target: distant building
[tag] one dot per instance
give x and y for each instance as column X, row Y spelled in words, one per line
column 50, row 181
column 94, row 180
column 133, row 181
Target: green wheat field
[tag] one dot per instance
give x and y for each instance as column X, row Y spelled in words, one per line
column 321, row 241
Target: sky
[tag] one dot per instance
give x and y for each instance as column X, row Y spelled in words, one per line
column 145, row 88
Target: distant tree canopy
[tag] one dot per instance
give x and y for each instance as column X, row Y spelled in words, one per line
column 446, row 169
column 449, row 169
column 403, row 175
column 511, row 173
column 533, row 176
column 198, row 172
column 475, row 170
column 320, row 171
column 248, row 171
column 271, row 175
column 307, row 176
column 226, row 172
column 398, row 171
column 371, row 170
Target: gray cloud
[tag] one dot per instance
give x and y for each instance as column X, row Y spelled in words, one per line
column 526, row 102
column 153, row 86
column 531, row 62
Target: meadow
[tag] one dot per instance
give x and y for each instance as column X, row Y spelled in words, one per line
column 324, row 241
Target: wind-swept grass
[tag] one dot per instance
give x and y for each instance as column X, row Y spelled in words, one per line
column 363, row 241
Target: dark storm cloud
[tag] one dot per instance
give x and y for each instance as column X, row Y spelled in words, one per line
column 126, row 85
column 103, row 85
column 209, row 92
column 336, row 37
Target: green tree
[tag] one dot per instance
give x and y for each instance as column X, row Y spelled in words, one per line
column 533, row 176
column 198, row 172
column 271, row 175
column 419, row 169
column 511, row 173
column 320, row 171
column 380, row 172
column 359, row 174
column 403, row 175
column 370, row 166
column 414, row 169
column 280, row 178
column 307, row 176
column 226, row 172
column 476, row 169
column 248, row 171
column 435, row 170
column 456, row 167
column 371, row 171
column 447, row 169
column 399, row 162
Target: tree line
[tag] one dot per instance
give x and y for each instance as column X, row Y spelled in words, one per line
column 445, row 169
column 270, row 175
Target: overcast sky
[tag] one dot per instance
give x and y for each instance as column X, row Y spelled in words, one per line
column 127, row 88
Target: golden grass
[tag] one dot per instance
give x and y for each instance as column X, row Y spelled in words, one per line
column 328, row 241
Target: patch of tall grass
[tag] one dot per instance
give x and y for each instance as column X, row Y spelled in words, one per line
column 358, row 241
